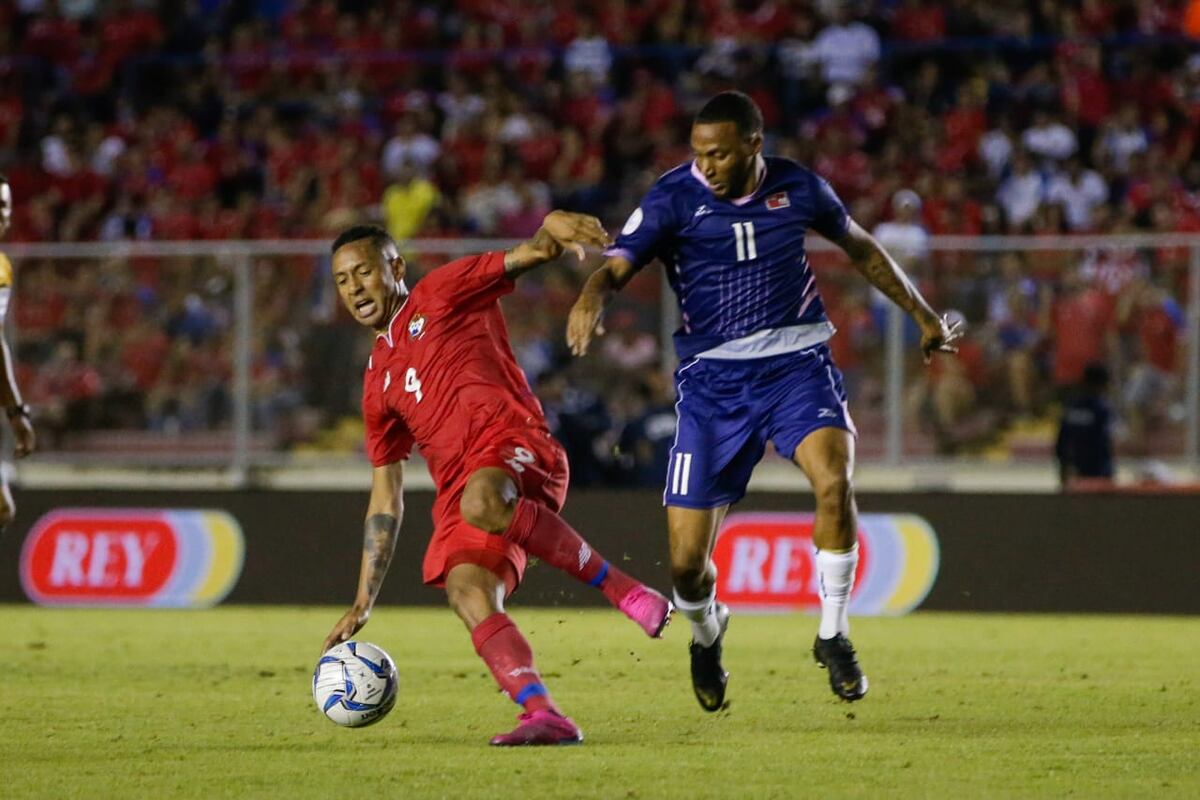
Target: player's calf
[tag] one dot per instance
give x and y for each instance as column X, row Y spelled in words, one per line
column 507, row 654
column 502, row 647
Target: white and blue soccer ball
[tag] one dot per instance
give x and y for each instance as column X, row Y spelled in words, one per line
column 355, row 684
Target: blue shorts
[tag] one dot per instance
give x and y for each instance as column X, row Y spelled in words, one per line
column 728, row 410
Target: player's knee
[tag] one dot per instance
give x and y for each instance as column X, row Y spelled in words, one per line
column 834, row 492
column 7, row 514
column 485, row 508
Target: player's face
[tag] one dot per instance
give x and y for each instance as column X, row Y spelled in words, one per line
column 5, row 208
column 725, row 158
column 370, row 281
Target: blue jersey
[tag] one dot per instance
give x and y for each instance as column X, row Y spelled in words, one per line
column 738, row 267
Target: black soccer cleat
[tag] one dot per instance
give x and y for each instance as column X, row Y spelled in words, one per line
column 708, row 676
column 845, row 676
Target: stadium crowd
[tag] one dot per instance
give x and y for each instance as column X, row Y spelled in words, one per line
column 277, row 119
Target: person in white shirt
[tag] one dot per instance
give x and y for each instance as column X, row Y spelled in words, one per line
column 1021, row 192
column 1048, row 138
column 996, row 147
column 1078, row 190
column 458, row 104
column 1123, row 138
column 589, row 52
column 846, row 47
column 904, row 237
column 411, row 146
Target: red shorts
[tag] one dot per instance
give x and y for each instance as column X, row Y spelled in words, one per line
column 537, row 464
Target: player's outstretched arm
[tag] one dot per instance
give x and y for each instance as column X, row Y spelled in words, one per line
column 585, row 320
column 870, row 259
column 561, row 230
column 380, row 532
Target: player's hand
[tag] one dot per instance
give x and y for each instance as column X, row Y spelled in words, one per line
column 938, row 334
column 574, row 232
column 350, row 624
column 24, row 439
column 584, row 322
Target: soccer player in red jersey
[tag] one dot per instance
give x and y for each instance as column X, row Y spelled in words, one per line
column 442, row 376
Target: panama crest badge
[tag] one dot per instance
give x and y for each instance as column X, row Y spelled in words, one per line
column 416, row 326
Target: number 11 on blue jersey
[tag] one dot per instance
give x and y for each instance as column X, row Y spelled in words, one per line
column 743, row 233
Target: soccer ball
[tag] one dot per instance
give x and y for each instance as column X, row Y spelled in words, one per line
column 355, row 684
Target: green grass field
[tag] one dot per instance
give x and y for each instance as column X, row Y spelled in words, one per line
column 216, row 704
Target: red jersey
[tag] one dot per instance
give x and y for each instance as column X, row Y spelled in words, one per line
column 443, row 375
column 1081, row 325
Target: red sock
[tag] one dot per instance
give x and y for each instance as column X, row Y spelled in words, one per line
column 548, row 536
column 502, row 647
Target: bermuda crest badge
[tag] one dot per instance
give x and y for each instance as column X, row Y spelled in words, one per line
column 416, row 326
column 777, row 201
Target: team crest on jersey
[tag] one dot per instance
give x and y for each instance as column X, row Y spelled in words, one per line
column 777, row 201
column 416, row 326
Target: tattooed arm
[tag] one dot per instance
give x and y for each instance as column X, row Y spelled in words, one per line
column 561, row 230
column 873, row 262
column 380, row 531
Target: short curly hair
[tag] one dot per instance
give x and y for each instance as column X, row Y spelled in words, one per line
column 735, row 107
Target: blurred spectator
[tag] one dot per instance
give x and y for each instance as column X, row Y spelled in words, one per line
column 1016, row 305
column 1157, row 322
column 846, row 47
column 919, row 21
column 407, row 202
column 996, row 147
column 1121, row 139
column 65, row 393
column 531, row 206
column 458, row 104
column 579, row 419
column 409, row 146
column 799, row 62
column 904, row 237
column 1080, row 324
column 1048, row 138
column 946, row 394
column 644, row 441
column 1079, row 191
column 1021, row 193
column 589, row 51
column 1084, row 447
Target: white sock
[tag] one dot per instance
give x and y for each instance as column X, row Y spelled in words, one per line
column 703, row 616
column 836, row 574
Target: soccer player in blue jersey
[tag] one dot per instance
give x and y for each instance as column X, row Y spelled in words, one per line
column 754, row 365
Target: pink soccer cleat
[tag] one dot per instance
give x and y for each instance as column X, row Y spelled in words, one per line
column 647, row 608
column 538, row 728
